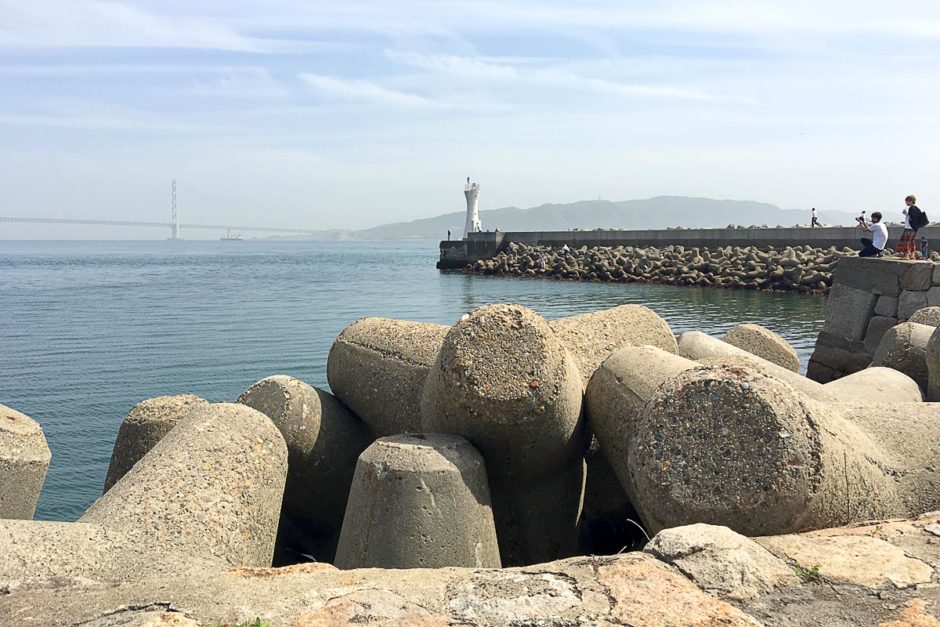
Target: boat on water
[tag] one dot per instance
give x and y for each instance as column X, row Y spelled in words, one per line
column 231, row 237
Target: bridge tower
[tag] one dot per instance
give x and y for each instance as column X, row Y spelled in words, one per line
column 472, row 194
column 174, row 213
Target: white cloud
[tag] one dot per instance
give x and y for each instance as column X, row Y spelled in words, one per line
column 363, row 91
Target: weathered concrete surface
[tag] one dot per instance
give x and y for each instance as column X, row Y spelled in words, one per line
column 419, row 501
column 887, row 385
column 145, row 425
column 24, row 460
column 324, row 440
column 212, row 486
column 630, row 589
column 848, row 310
column 504, row 381
column 932, row 356
column 928, row 315
column 731, row 446
column 721, row 562
column 904, row 348
column 763, row 342
column 619, row 390
column 877, row 327
column 910, row 302
column 377, row 367
column 592, row 337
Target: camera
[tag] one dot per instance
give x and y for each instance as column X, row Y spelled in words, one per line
column 860, row 218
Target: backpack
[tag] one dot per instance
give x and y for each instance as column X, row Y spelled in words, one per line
column 916, row 217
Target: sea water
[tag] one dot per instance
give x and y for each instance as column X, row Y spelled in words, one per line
column 88, row 329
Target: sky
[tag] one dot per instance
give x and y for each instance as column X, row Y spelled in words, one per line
column 350, row 114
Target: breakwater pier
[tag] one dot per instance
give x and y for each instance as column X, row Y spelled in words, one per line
column 481, row 246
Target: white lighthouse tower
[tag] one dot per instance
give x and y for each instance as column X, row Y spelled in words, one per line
column 472, row 193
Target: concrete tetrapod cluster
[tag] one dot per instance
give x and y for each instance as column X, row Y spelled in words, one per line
column 738, row 445
column 24, row 460
column 173, row 510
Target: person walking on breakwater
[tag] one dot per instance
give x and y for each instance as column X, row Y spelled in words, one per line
column 815, row 221
column 914, row 219
column 874, row 247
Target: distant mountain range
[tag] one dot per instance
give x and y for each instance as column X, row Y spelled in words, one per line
column 653, row 213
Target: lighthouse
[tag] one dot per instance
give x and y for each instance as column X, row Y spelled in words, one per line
column 472, row 193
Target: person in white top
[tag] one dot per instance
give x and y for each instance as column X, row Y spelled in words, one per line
column 815, row 221
column 874, row 247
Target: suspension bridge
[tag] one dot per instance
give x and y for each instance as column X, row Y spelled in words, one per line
column 174, row 225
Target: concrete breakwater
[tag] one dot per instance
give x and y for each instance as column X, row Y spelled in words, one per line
column 478, row 464
column 797, row 268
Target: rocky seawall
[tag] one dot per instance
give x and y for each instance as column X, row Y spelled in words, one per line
column 494, row 472
column 793, row 269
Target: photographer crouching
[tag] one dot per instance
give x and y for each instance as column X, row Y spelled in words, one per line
column 874, row 247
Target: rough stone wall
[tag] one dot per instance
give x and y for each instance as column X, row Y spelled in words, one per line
column 868, row 297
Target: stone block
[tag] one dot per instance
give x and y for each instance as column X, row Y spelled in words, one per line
column 887, row 306
column 909, row 302
column 936, row 274
column 848, row 311
column 918, row 277
column 878, row 276
column 24, row 459
column 877, row 327
column 928, row 315
column 933, row 297
column 839, row 355
column 904, row 348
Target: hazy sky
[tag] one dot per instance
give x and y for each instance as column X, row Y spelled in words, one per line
column 350, row 114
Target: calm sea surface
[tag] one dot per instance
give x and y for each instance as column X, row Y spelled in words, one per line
column 88, row 329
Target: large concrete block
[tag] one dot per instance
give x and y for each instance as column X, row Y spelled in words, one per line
column 928, row 315
column 212, row 486
column 592, row 337
column 733, row 447
column 848, row 311
column 24, row 460
column 887, row 306
column 933, row 297
column 837, row 355
column 419, row 501
column 324, row 440
column 936, row 274
column 887, row 385
column 909, row 302
column 377, row 367
column 932, row 355
column 904, row 348
column 877, row 327
column 763, row 342
column 917, row 278
column 145, row 425
column 504, row 381
column 876, row 276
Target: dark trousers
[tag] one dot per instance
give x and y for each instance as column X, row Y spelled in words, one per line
column 868, row 249
column 814, row 223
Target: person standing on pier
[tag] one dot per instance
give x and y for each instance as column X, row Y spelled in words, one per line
column 914, row 219
column 815, row 222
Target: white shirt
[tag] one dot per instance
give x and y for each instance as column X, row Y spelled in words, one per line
column 907, row 221
column 879, row 235
column 814, row 212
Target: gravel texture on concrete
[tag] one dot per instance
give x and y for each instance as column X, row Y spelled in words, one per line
column 24, row 460
column 763, row 342
column 932, row 357
column 592, row 337
column 731, row 446
column 145, row 425
column 928, row 315
column 504, row 381
column 419, row 501
column 212, row 486
column 324, row 440
column 904, row 348
column 377, row 367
